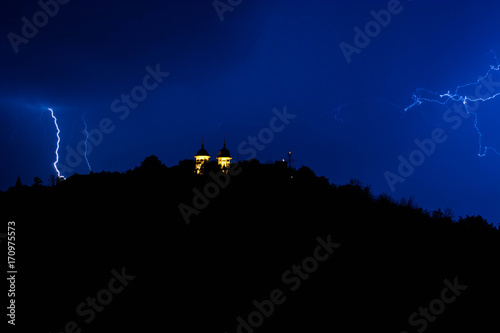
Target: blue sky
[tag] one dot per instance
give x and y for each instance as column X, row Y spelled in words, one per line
column 225, row 77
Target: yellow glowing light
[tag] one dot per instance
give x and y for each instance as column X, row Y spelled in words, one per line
column 200, row 160
column 224, row 163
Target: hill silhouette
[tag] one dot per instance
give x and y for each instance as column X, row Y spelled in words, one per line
column 261, row 249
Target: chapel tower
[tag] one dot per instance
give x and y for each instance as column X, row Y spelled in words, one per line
column 224, row 158
column 201, row 158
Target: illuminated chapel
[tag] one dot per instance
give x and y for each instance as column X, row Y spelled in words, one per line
column 202, row 157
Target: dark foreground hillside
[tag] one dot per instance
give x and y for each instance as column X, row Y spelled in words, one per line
column 275, row 250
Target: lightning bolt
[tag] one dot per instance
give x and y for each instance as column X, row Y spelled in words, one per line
column 422, row 95
column 86, row 140
column 57, row 148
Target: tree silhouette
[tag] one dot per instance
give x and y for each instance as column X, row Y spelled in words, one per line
column 37, row 181
column 151, row 163
column 52, row 180
column 475, row 222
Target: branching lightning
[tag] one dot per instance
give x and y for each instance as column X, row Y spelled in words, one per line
column 57, row 147
column 467, row 100
column 86, row 140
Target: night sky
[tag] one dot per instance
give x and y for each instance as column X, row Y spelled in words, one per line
column 154, row 77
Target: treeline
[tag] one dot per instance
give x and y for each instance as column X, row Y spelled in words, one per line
column 152, row 170
column 253, row 256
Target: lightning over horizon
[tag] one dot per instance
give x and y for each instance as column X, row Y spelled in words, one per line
column 57, row 146
column 86, row 140
column 469, row 101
